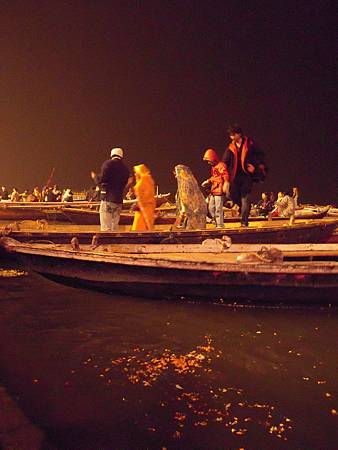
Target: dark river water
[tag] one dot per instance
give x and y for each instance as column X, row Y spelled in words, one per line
column 99, row 372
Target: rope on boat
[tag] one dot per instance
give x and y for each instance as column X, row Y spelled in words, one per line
column 265, row 255
column 171, row 239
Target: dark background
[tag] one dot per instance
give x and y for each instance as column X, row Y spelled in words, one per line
column 163, row 80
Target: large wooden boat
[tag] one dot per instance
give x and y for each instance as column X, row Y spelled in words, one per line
column 40, row 210
column 85, row 216
column 82, row 216
column 260, row 233
column 34, row 211
column 209, row 271
column 305, row 213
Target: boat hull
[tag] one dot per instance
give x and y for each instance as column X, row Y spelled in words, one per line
column 250, row 284
column 92, row 217
column 314, row 231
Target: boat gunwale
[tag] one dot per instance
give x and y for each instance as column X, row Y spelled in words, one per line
column 142, row 260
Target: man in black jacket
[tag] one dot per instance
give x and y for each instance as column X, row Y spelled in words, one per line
column 112, row 180
column 245, row 164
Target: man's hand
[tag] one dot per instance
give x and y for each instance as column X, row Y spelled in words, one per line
column 205, row 183
column 226, row 188
column 250, row 168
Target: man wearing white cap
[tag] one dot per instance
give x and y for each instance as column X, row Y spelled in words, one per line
column 113, row 180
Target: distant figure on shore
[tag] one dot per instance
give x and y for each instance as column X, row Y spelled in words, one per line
column 192, row 208
column 219, row 186
column 144, row 190
column 112, row 181
column 245, row 164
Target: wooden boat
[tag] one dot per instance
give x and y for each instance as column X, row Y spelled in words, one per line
column 91, row 217
column 333, row 212
column 160, row 200
column 305, row 213
column 313, row 231
column 209, row 271
column 56, row 210
column 82, row 216
column 39, row 210
column 31, row 212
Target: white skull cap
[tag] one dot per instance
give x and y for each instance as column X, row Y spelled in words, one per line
column 116, row 152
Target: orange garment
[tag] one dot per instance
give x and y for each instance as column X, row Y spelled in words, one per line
column 247, row 143
column 219, row 172
column 145, row 194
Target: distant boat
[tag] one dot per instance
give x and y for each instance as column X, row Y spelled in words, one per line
column 305, row 213
column 185, row 271
column 160, row 200
column 55, row 210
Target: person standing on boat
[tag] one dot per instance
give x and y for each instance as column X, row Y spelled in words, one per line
column 219, row 181
column 192, row 208
column 112, row 180
column 245, row 164
column 144, row 190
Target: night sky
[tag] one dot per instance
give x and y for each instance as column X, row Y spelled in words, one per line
column 163, row 80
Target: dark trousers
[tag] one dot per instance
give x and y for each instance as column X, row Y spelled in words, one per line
column 239, row 192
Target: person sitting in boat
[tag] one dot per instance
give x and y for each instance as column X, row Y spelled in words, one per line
column 37, row 194
column 15, row 196
column 57, row 193
column 48, row 195
column 192, row 208
column 24, row 195
column 295, row 195
column 4, row 193
column 31, row 198
column 93, row 194
column 130, row 194
column 285, row 206
column 219, row 181
column 144, row 190
column 67, row 195
column 264, row 206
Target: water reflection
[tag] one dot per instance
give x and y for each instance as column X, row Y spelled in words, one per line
column 207, row 403
column 101, row 372
column 7, row 273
